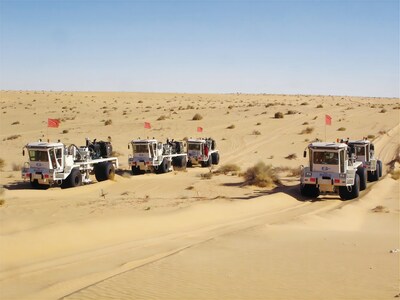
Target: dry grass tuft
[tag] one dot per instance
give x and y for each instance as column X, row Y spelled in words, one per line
column 256, row 132
column 107, row 122
column 2, row 164
column 230, row 126
column 341, row 129
column 261, row 175
column 161, row 118
column 291, row 156
column 380, row 209
column 228, row 169
column 197, row 117
column 278, row 115
column 12, row 137
column 307, row 130
column 320, row 106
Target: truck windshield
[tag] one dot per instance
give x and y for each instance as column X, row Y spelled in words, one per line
column 325, row 158
column 194, row 146
column 38, row 155
column 360, row 150
column 141, row 148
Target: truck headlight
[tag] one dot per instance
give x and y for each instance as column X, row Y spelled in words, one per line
column 342, row 175
column 308, row 174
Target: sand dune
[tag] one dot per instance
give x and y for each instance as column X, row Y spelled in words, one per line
column 151, row 237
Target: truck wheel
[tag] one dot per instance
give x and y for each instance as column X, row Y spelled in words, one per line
column 164, row 167
column 104, row 171
column 35, row 184
column 350, row 192
column 379, row 166
column 136, row 170
column 207, row 163
column 189, row 164
column 309, row 190
column 362, row 172
column 74, row 179
column 374, row 175
column 215, row 158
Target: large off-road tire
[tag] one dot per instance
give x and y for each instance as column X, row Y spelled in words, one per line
column 207, row 163
column 35, row 184
column 379, row 166
column 352, row 192
column 136, row 170
column 74, row 179
column 309, row 190
column 104, row 171
column 362, row 172
column 179, row 162
column 215, row 158
column 374, row 176
column 164, row 167
column 189, row 164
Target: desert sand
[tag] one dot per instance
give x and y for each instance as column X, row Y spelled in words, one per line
column 179, row 236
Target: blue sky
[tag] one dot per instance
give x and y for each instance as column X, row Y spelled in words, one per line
column 292, row 47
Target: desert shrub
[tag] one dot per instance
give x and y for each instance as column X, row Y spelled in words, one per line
column 107, row 122
column 395, row 174
column 278, row 115
column 258, row 124
column 161, row 118
column 230, row 126
column 307, row 130
column 305, row 123
column 291, row 156
column 261, row 175
column 256, row 132
column 12, row 137
column 228, row 168
column 197, row 117
column 65, row 131
column 370, row 136
column 2, row 164
column 304, row 103
column 208, row 175
column 291, row 112
column 16, row 167
column 320, row 106
column 383, row 110
column 15, row 123
column 341, row 129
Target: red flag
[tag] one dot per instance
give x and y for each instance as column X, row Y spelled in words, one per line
column 199, row 129
column 53, row 123
column 147, row 125
column 328, row 120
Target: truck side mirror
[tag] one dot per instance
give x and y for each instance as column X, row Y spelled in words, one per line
column 305, row 153
column 23, row 152
column 129, row 146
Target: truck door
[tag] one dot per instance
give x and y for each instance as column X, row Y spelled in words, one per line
column 59, row 159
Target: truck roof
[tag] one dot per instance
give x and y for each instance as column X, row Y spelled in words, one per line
column 359, row 142
column 325, row 145
column 143, row 141
column 196, row 140
column 44, row 145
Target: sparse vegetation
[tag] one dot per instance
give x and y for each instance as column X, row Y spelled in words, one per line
column 231, row 126
column 383, row 110
column 16, row 167
column 208, row 175
column 107, row 122
column 228, row 168
column 380, row 209
column 341, row 129
column 161, row 118
column 261, row 175
column 370, row 136
column 2, row 164
column 291, row 156
column 65, row 131
column 320, row 106
column 12, row 137
column 305, row 123
column 15, row 123
column 278, row 115
column 291, row 112
column 307, row 130
column 197, row 117
column 256, row 132
column 304, row 103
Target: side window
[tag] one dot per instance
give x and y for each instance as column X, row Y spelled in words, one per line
column 59, row 156
column 342, row 159
column 53, row 159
